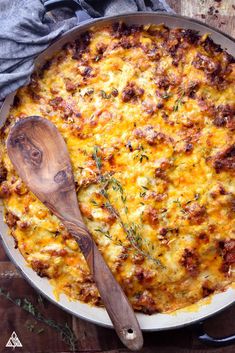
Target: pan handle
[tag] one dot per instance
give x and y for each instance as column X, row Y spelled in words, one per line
column 55, row 4
column 212, row 341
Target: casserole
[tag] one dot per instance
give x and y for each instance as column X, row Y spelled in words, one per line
column 98, row 315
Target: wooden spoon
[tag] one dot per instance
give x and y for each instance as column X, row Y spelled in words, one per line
column 40, row 156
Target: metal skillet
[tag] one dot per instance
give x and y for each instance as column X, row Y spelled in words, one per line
column 96, row 315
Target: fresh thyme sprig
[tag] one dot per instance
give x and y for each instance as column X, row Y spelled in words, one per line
column 66, row 333
column 178, row 102
column 132, row 234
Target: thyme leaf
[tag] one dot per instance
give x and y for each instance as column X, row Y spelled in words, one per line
column 178, row 102
column 96, row 158
column 105, row 95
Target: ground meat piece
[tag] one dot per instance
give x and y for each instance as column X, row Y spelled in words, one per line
column 5, row 190
column 3, row 173
column 228, row 253
column 55, row 101
column 138, row 258
column 11, row 219
column 101, row 47
column 81, row 45
column 188, row 147
column 120, row 29
column 190, row 261
column 211, row 47
column 40, row 267
column 207, row 289
column 160, row 173
column 131, row 92
column 162, row 82
column 86, row 72
column 149, row 107
column 196, row 213
column 190, row 35
column 150, row 216
column 70, row 86
column 22, row 225
column 151, row 136
column 191, row 90
column 163, row 231
column 145, row 303
column 225, row 161
column 208, row 65
column 225, row 116
column 20, row 188
column 143, row 275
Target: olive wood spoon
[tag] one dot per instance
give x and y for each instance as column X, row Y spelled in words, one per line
column 40, row 156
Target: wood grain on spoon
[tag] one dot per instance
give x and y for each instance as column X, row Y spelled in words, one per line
column 40, row 156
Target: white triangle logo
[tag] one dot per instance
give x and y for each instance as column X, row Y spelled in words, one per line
column 14, row 341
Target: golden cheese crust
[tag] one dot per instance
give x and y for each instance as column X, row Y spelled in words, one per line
column 148, row 118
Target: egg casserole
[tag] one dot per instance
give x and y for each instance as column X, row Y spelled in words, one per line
column 147, row 114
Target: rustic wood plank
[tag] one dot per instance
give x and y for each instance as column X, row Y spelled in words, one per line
column 219, row 14
column 3, row 255
column 17, row 319
column 175, row 5
column 8, row 271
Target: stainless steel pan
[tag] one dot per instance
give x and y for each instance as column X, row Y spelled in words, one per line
column 99, row 316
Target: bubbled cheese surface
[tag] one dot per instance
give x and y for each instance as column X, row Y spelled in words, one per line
column 139, row 109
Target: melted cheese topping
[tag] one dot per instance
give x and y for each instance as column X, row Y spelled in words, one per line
column 148, row 118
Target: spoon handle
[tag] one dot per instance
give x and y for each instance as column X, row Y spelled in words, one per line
column 112, row 295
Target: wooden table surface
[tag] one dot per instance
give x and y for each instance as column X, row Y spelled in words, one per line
column 38, row 336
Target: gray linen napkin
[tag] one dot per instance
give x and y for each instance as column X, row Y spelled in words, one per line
column 26, row 30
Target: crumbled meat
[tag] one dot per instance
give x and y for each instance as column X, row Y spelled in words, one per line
column 190, row 35
column 225, row 161
column 190, row 261
column 81, row 45
column 138, row 258
column 20, row 188
column 143, row 275
column 55, row 101
column 3, row 173
column 5, row 190
column 146, row 303
column 149, row 107
column 160, row 173
column 163, row 231
column 162, row 82
column 151, row 216
column 228, row 253
column 225, row 116
column 207, row 289
column 203, row 62
column 22, row 225
column 188, row 147
column 11, row 219
column 121, row 29
column 86, row 71
column 196, row 213
column 131, row 92
column 151, row 136
column 40, row 267
column 191, row 90
column 70, row 86
column 101, row 47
